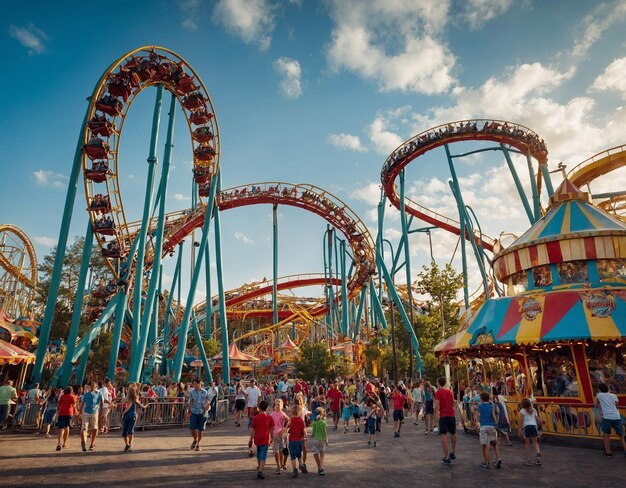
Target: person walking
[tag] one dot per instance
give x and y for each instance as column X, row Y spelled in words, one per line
column 129, row 417
column 52, row 401
column 66, row 410
column 279, row 436
column 8, row 394
column 444, row 410
column 429, row 407
column 398, row 398
column 198, row 408
column 262, row 428
column 297, row 435
column 488, row 419
column 240, row 403
column 90, row 405
column 253, row 395
column 334, row 399
column 417, row 397
column 607, row 403
column 529, row 423
column 320, row 440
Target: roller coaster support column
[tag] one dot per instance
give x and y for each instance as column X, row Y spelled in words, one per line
column 546, row 177
column 328, row 271
column 518, row 184
column 208, row 332
column 535, row 190
column 376, row 306
column 168, row 308
column 177, row 368
column 205, row 361
column 344, row 291
column 66, row 368
column 154, row 326
column 138, row 286
column 82, row 367
column 359, row 314
column 139, row 354
column 275, row 263
column 55, row 279
column 220, row 291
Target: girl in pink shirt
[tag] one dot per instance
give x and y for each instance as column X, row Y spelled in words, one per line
column 281, row 421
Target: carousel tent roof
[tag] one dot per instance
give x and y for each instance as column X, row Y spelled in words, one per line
column 17, row 331
column 288, row 344
column 581, row 314
column 235, row 354
column 10, row 354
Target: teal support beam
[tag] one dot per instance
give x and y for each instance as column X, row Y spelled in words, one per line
column 82, row 367
column 344, row 289
column 407, row 253
column 205, row 361
column 177, row 367
column 66, row 368
column 96, row 328
column 154, row 328
column 139, row 267
column 462, row 229
column 377, row 306
column 359, row 314
column 547, row 178
column 168, row 310
column 275, row 263
column 518, row 184
column 220, row 293
column 138, row 355
column 534, row 189
column 407, row 323
column 120, row 314
column 208, row 332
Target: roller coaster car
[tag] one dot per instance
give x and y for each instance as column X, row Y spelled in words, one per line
column 203, row 134
column 129, row 74
column 205, row 189
column 204, row 153
column 109, row 105
column 193, row 100
column 147, row 69
column 98, row 172
column 119, row 87
column 100, row 203
column 199, row 117
column 186, row 85
column 100, row 126
column 114, row 253
column 201, row 176
column 105, row 226
column 96, row 148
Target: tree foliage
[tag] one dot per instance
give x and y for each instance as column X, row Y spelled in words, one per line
column 315, row 361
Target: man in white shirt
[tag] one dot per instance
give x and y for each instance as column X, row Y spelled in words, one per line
column 253, row 394
column 283, row 388
column 611, row 420
column 213, row 395
column 417, row 397
column 106, row 408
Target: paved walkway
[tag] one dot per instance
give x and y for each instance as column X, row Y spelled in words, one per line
column 163, row 458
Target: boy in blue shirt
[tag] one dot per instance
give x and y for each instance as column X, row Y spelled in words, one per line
column 488, row 418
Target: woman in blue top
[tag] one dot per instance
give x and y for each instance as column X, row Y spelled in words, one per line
column 129, row 417
column 429, row 406
column 488, row 417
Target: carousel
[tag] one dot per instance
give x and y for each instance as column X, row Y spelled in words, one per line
column 561, row 329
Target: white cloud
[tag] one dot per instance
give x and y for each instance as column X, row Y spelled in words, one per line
column 290, row 84
column 181, row 198
column 383, row 139
column 243, row 238
column 50, row 179
column 366, row 34
column 612, row 78
column 252, row 20
column 369, row 193
column 190, row 10
column 347, row 141
column 30, row 37
column 45, row 241
column 596, row 23
column 478, row 12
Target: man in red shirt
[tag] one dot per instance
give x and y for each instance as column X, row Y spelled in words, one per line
column 334, row 398
column 262, row 427
column 65, row 411
column 444, row 410
column 399, row 398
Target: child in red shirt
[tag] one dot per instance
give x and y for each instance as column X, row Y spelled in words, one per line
column 262, row 426
column 444, row 409
column 297, row 435
column 399, row 398
column 65, row 411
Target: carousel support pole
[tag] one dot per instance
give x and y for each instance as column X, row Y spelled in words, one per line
column 66, row 368
column 177, row 367
column 543, row 167
column 138, row 285
column 145, row 319
column 220, row 291
column 535, row 190
column 518, row 184
column 275, row 263
column 168, row 308
column 208, row 332
column 55, row 279
column 463, row 232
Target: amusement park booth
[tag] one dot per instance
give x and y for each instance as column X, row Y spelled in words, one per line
column 561, row 329
column 240, row 362
column 14, row 363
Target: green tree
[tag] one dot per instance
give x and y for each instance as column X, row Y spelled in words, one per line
column 315, row 361
column 402, row 360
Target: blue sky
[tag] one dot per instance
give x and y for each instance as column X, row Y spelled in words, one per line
column 315, row 92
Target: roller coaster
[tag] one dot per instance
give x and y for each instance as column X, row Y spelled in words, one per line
column 358, row 282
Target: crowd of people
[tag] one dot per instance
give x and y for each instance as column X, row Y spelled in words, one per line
column 290, row 415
